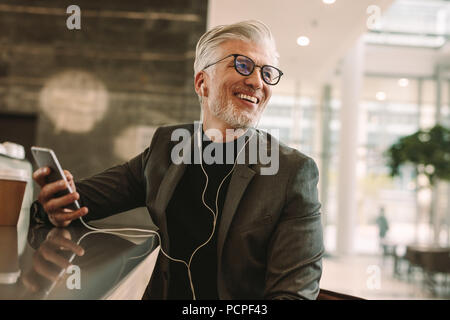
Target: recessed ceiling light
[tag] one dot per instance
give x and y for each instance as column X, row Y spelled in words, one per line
column 303, row 41
column 403, row 82
column 328, row 1
column 381, row 96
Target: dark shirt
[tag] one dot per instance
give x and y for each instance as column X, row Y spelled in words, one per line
column 190, row 224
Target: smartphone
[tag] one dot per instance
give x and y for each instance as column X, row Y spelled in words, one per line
column 46, row 158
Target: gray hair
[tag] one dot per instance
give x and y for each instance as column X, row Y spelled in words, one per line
column 250, row 30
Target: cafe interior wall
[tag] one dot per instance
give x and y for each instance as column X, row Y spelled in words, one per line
column 99, row 91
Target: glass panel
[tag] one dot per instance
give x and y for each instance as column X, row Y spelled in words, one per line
column 421, row 23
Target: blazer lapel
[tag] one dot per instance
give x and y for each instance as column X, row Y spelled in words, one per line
column 165, row 192
column 167, row 188
column 240, row 179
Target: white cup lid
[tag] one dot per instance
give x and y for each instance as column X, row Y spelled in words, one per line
column 13, row 174
column 9, row 277
column 14, row 150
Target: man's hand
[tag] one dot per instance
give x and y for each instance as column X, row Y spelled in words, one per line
column 50, row 258
column 57, row 214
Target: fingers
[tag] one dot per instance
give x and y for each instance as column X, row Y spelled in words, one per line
column 69, row 178
column 50, row 255
column 58, row 233
column 40, row 174
column 44, row 268
column 49, row 190
column 53, row 252
column 68, row 175
column 30, row 282
column 63, row 219
column 55, row 205
column 65, row 244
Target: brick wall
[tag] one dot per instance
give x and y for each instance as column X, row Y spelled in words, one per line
column 129, row 66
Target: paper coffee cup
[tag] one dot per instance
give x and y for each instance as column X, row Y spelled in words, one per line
column 12, row 190
column 9, row 259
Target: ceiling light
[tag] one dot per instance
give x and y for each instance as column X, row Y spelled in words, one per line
column 403, row 82
column 381, row 96
column 328, row 1
column 303, row 41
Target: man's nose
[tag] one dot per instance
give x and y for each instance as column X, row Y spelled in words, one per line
column 254, row 80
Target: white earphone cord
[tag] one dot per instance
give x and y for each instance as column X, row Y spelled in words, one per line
column 215, row 214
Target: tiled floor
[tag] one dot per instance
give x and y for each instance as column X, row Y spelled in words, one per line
column 369, row 277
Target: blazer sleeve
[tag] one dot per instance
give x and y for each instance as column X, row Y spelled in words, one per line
column 295, row 250
column 117, row 189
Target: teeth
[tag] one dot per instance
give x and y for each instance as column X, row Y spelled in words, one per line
column 249, row 98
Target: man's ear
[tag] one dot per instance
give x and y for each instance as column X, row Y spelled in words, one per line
column 200, row 84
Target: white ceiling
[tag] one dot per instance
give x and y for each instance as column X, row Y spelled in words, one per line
column 332, row 29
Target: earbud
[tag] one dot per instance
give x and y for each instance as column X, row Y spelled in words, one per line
column 199, row 138
column 202, row 89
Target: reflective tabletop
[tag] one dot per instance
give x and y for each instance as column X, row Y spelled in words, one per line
column 67, row 263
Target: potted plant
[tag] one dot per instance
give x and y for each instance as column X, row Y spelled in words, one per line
column 429, row 152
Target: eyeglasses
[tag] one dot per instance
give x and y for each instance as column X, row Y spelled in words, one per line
column 245, row 66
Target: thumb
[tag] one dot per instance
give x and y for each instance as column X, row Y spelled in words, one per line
column 40, row 176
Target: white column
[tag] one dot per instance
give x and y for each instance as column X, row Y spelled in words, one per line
column 352, row 77
column 297, row 118
column 448, row 184
column 325, row 152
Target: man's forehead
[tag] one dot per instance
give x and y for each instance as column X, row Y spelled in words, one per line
column 261, row 53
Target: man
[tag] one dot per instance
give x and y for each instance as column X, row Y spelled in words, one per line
column 228, row 231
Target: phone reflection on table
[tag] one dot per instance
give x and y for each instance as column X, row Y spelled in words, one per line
column 50, row 263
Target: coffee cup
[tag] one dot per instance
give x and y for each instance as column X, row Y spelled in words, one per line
column 9, row 259
column 12, row 190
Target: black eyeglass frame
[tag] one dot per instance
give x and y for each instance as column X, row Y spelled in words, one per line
column 236, row 55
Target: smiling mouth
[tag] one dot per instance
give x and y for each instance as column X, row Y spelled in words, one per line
column 247, row 98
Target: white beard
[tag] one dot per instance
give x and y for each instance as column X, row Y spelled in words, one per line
column 234, row 116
